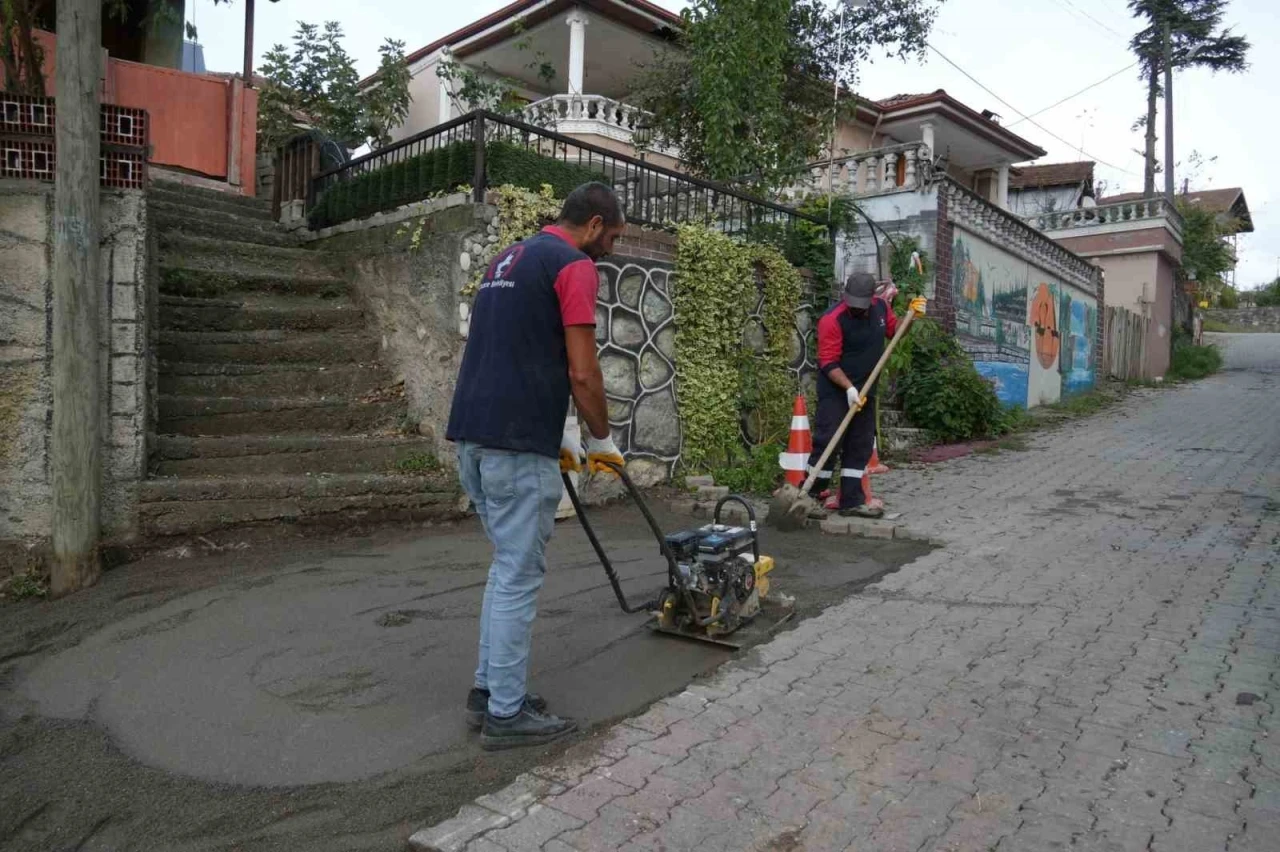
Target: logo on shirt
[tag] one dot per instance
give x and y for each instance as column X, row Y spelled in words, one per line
column 500, row 269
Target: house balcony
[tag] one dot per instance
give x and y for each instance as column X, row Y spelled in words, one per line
column 575, row 115
column 1120, row 217
column 880, row 171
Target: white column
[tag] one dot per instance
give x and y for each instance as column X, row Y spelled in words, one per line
column 926, row 130
column 577, row 22
column 1002, row 190
column 444, row 110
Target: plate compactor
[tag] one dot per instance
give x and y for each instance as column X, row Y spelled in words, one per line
column 717, row 580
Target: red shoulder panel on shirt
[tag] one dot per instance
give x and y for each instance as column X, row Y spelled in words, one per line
column 576, row 287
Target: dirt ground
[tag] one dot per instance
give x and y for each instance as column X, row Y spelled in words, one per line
column 284, row 690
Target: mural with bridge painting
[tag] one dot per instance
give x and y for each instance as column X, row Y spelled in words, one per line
column 1031, row 335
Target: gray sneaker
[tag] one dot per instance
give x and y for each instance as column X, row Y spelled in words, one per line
column 478, row 705
column 529, row 727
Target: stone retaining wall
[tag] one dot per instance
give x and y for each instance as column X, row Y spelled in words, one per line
column 26, row 402
column 1254, row 319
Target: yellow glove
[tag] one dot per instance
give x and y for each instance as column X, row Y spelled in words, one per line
column 570, row 453
column 918, row 305
column 603, row 456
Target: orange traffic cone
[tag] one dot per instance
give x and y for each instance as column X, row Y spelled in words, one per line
column 799, row 446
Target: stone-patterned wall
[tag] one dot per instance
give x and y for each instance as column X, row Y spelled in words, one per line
column 635, row 327
column 26, row 400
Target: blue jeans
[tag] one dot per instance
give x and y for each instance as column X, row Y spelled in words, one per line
column 516, row 496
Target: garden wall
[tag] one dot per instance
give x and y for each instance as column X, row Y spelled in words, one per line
column 26, row 350
column 416, row 299
column 1254, row 319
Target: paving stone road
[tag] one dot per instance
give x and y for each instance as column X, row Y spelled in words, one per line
column 1091, row 662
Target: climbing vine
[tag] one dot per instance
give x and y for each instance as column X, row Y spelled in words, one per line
column 719, row 379
column 774, row 386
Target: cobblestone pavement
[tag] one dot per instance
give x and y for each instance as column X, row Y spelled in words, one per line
column 1091, row 662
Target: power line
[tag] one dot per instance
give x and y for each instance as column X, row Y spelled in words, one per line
column 1019, row 112
column 1056, row 104
column 1095, row 20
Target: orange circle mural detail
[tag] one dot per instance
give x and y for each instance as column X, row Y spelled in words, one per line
column 1044, row 320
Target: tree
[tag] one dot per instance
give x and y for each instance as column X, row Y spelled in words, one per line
column 1268, row 295
column 317, row 85
column 1196, row 41
column 20, row 54
column 483, row 88
column 746, row 90
column 1206, row 257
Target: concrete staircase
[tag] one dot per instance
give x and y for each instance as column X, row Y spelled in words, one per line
column 273, row 403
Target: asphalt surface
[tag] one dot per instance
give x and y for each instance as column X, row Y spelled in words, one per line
column 306, row 693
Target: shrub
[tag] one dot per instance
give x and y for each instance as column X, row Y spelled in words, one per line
column 943, row 393
column 443, row 170
column 506, row 163
column 1193, row 362
column 751, row 470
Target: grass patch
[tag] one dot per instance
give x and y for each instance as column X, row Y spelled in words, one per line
column 753, row 471
column 1193, row 362
column 31, row 583
column 418, row 463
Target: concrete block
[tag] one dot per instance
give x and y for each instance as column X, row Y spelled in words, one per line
column 124, row 302
column 24, row 272
column 453, row 835
column 125, row 430
column 124, row 369
column 26, row 214
column 513, row 800
column 21, row 325
column 863, row 527
column 124, row 263
column 124, row 399
column 126, row 338
column 696, row 482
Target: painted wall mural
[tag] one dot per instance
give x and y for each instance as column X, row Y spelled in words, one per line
column 1028, row 333
column 1079, row 321
column 991, row 316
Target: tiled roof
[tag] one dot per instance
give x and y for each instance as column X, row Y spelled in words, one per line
column 1051, row 174
column 902, row 99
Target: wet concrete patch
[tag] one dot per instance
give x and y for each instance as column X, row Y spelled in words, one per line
column 321, row 710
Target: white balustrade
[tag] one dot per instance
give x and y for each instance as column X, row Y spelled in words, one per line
column 585, row 114
column 1138, row 210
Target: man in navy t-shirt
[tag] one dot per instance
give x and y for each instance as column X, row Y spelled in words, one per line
column 532, row 344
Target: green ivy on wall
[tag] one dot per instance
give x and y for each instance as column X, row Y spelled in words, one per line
column 717, row 377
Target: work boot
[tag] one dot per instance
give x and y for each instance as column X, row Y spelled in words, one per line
column 478, row 705
column 529, row 727
column 862, row 511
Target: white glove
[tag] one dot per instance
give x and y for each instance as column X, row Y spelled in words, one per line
column 852, row 395
column 571, row 456
column 603, row 455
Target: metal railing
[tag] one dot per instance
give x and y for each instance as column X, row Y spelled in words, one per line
column 483, row 150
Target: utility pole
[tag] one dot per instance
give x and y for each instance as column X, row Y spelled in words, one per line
column 248, row 44
column 1168, row 112
column 76, row 449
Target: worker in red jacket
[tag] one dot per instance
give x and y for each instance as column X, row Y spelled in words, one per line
column 851, row 339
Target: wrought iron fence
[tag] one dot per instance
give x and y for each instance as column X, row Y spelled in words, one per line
column 484, row 150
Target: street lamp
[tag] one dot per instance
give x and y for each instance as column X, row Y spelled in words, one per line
column 642, row 137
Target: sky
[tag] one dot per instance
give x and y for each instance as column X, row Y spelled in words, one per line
column 1029, row 54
